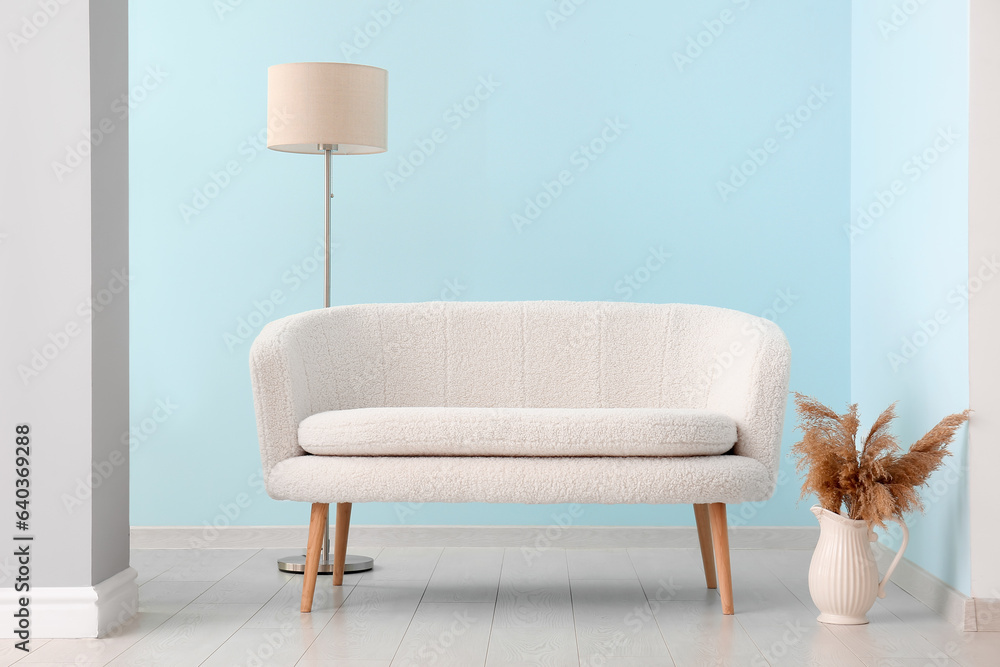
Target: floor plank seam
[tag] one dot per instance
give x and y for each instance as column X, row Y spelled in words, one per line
column 265, row 603
column 801, row 603
column 416, row 608
column 496, row 600
column 329, row 621
column 572, row 610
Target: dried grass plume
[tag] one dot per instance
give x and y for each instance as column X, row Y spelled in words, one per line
column 876, row 482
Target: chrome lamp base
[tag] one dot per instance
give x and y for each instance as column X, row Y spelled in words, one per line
column 297, row 564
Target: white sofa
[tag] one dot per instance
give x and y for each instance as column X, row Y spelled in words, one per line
column 521, row 402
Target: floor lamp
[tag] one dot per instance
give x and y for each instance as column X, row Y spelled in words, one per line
column 327, row 109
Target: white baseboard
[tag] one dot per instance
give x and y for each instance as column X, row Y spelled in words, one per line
column 76, row 612
column 987, row 614
column 568, row 537
column 117, row 601
column 957, row 608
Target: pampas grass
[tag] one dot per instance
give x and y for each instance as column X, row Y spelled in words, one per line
column 876, row 483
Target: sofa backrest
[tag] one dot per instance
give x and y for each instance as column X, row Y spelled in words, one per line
column 525, row 354
column 522, row 354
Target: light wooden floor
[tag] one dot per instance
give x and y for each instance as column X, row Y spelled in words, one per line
column 483, row 606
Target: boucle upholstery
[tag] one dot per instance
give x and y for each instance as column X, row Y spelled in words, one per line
column 589, row 355
column 512, row 479
column 517, row 432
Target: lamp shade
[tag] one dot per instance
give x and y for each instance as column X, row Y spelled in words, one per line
column 309, row 104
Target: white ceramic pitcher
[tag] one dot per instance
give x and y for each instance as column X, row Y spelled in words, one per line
column 843, row 576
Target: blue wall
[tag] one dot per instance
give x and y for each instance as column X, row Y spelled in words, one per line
column 215, row 254
column 909, row 250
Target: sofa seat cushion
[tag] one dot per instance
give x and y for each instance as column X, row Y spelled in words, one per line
column 517, row 432
column 521, row 479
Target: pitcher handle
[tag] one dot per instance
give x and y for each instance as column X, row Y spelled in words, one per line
column 895, row 561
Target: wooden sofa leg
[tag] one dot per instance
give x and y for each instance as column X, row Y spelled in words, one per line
column 720, row 539
column 705, row 542
column 340, row 542
column 317, row 526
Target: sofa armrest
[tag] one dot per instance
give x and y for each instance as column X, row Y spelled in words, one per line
column 280, row 393
column 753, row 389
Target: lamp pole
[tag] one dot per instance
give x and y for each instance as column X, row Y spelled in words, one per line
column 297, row 564
column 328, row 150
column 327, row 279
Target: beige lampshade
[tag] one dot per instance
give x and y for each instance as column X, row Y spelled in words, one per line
column 309, row 104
